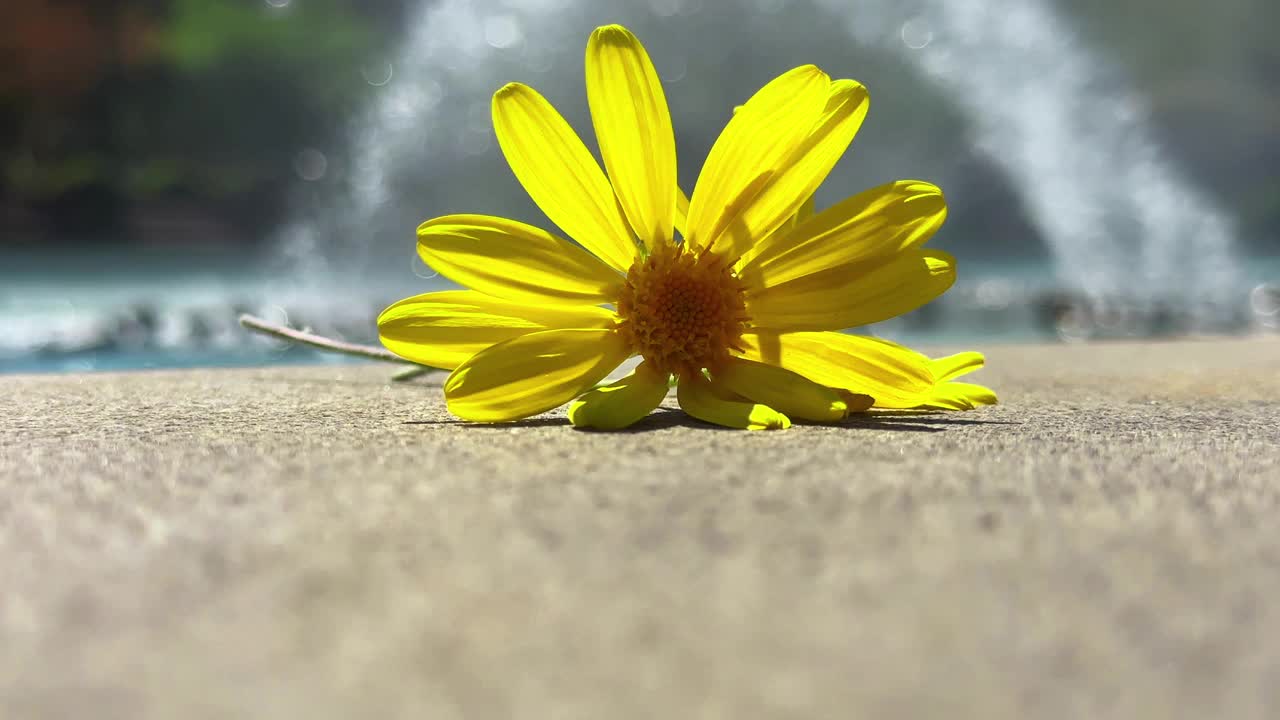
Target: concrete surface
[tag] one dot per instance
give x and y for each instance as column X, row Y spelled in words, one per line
column 316, row 543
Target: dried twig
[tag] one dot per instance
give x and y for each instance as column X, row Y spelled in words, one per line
column 410, row 373
column 257, row 324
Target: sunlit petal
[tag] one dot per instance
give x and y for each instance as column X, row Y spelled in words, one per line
column 800, row 174
column 558, row 172
column 532, row 373
column 752, row 149
column 700, row 399
column 784, row 390
column 682, row 211
column 878, row 223
column 895, row 376
column 953, row 366
column 853, row 295
column 443, row 329
column 622, row 403
column 959, row 396
column 514, row 261
column 633, row 126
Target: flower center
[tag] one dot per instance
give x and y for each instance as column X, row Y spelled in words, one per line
column 682, row 311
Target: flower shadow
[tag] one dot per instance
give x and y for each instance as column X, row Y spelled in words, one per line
column 667, row 418
column 535, row 422
column 661, row 419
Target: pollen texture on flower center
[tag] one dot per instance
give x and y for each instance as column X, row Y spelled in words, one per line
column 682, row 311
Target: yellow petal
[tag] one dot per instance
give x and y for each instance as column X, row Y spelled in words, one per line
column 559, row 173
column 959, row 396
column 878, row 223
column 443, row 329
column 786, row 391
column 514, row 261
column 803, row 171
column 621, row 404
column 855, row 402
column 804, row 213
column 895, row 376
column 532, row 373
column 753, row 147
column 682, row 211
column 700, row 399
column 853, row 295
column 633, row 126
column 976, row 394
column 953, row 366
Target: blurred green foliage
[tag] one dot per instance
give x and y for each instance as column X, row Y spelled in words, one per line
column 193, row 100
column 202, row 35
column 109, row 105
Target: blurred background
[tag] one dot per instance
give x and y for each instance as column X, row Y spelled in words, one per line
column 1112, row 167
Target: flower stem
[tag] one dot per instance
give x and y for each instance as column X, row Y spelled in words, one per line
column 258, row 325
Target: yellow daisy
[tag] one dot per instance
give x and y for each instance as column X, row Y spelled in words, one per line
column 742, row 309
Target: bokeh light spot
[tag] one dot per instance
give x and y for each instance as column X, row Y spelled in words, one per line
column 310, row 164
column 377, row 73
column 421, row 269
column 917, row 33
column 502, row 31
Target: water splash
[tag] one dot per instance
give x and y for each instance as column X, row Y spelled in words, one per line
column 427, row 127
column 1072, row 139
column 1076, row 144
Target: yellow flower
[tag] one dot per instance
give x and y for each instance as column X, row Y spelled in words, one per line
column 743, row 312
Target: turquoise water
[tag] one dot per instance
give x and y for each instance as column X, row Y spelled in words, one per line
column 173, row 312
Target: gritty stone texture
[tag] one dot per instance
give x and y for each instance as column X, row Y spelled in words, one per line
column 318, row 543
